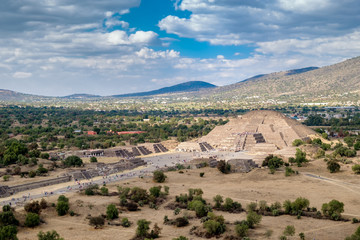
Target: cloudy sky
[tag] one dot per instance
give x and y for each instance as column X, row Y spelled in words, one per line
column 105, row 47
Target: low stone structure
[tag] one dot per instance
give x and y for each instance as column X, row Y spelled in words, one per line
column 242, row 165
column 6, row 191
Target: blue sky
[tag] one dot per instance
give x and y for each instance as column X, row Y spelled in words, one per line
column 106, row 47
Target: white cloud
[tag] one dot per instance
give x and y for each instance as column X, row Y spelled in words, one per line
column 22, row 75
column 143, row 37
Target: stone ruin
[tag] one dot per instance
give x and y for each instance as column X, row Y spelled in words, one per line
column 255, row 132
column 101, row 169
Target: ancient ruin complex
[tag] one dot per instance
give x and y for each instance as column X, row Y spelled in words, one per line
column 256, row 131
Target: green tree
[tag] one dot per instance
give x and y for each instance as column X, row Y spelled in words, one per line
column 355, row 236
column 97, row 221
column 112, row 212
column 223, row 166
column 159, row 176
column 73, row 161
column 32, row 220
column 333, row 166
column 333, row 209
column 242, row 229
column 62, row 208
column 8, row 232
column 253, row 218
column 93, row 159
column 218, row 201
column 142, row 228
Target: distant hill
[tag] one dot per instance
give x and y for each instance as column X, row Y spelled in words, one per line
column 12, row 96
column 182, row 87
column 339, row 82
column 81, row 96
column 285, row 73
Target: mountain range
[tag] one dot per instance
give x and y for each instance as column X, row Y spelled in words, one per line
column 338, row 81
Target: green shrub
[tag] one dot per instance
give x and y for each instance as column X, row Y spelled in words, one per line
column 155, row 191
column 333, row 166
column 252, row 219
column 202, row 174
column 50, row 235
column 33, row 207
column 93, row 159
column 297, row 142
column 159, row 176
column 104, row 191
column 356, row 168
column 8, row 232
column 142, row 228
column 289, row 171
column 32, row 220
column 97, row 221
column 73, row 161
column 44, row 155
column 355, row 236
column 289, row 230
column 62, row 208
column 219, row 200
column 111, row 212
column 125, row 222
column 242, row 229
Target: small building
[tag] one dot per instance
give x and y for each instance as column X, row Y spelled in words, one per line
column 91, row 133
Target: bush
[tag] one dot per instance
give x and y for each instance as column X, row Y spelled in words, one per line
column 93, row 159
column 155, row 191
column 73, row 161
column 325, row 146
column 300, row 157
column 62, row 198
column 104, row 191
column 6, row 178
column 131, row 206
column 297, row 142
column 202, row 174
column 180, row 238
column 299, row 205
column 253, row 218
column 33, row 207
column 62, row 208
column 143, row 228
column 357, row 146
column 7, row 218
column 8, row 232
column 289, row 171
column 159, row 176
column 333, row 209
column 43, row 203
column 32, row 220
column 218, row 201
column 44, row 155
column 181, row 222
column 289, row 230
column 215, row 225
column 273, row 162
column 242, row 229
column 356, row 168
column 50, row 235
column 199, row 207
column 333, row 166
column 97, row 221
column 125, row 222
column 138, row 194
column 32, row 174
column 224, row 167
column 112, row 212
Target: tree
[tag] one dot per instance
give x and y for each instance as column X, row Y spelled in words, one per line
column 333, row 166
column 73, row 161
column 333, row 209
column 33, row 207
column 49, row 235
column 8, row 232
column 7, row 218
column 104, row 191
column 242, row 229
column 97, row 221
column 224, row 167
column 253, row 218
column 125, row 222
column 62, row 208
column 199, row 207
column 93, row 159
column 155, row 191
column 299, row 204
column 32, row 220
column 218, row 201
column 143, row 228
column 159, row 176
column 112, row 212
column 289, row 230
column 215, row 225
